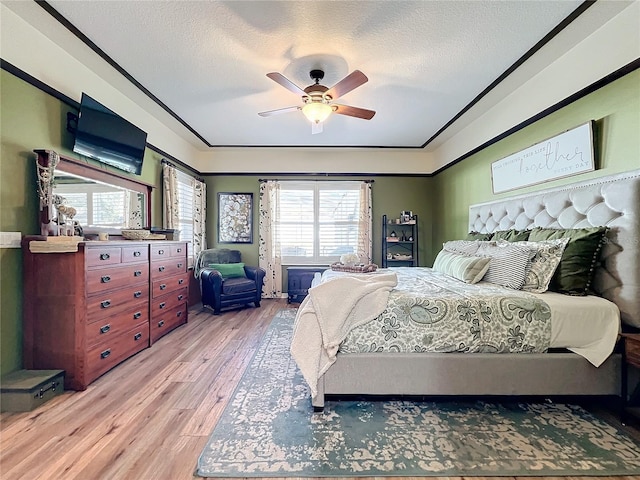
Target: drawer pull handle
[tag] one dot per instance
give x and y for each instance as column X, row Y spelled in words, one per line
column 137, row 315
column 105, row 354
column 162, row 305
column 137, row 254
column 137, row 294
column 161, row 323
column 52, row 386
column 179, row 314
column 105, row 328
column 137, row 336
column 105, row 256
column 181, row 281
column 105, row 304
column 180, row 297
column 105, row 279
column 137, row 273
column 178, row 250
column 180, row 265
column 161, row 269
column 160, row 252
column 163, row 286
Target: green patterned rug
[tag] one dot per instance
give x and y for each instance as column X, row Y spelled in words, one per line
column 268, row 429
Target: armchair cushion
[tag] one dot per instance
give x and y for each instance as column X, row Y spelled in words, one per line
column 238, row 285
column 229, row 270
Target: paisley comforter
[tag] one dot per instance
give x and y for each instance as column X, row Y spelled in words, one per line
column 432, row 312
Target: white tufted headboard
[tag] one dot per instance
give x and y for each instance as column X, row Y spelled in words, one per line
column 612, row 201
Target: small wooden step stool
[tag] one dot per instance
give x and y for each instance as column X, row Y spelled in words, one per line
column 25, row 390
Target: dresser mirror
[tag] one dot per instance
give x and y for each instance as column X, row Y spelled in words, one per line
column 77, row 197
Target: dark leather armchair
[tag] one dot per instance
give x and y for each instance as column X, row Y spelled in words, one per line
column 219, row 292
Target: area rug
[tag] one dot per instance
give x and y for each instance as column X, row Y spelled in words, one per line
column 268, row 429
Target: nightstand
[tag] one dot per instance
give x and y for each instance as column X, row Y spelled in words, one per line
column 631, row 358
column 300, row 279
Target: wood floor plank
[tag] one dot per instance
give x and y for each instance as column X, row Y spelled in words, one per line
column 149, row 418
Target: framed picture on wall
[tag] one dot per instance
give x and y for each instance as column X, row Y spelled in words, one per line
column 235, row 217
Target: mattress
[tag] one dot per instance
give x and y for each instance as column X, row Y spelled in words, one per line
column 588, row 326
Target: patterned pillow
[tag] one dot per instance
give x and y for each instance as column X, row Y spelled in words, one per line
column 465, row 268
column 472, row 235
column 543, row 264
column 509, row 263
column 466, row 247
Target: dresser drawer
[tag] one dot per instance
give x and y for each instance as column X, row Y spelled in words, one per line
column 111, row 278
column 166, row 322
column 103, row 256
column 168, row 267
column 111, row 327
column 167, row 302
column 179, row 250
column 106, row 304
column 170, row 284
column 139, row 253
column 108, row 354
column 160, row 250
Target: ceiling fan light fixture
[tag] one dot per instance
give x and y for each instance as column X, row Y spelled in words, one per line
column 316, row 112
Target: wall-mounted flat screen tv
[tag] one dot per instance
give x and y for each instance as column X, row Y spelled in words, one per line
column 103, row 135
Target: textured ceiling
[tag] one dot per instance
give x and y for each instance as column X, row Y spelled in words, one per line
column 207, row 61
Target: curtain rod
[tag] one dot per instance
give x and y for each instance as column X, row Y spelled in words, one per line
column 316, row 180
column 164, row 161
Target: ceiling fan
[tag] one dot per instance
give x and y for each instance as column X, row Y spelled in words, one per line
column 318, row 99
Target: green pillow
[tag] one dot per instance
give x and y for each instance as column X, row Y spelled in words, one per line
column 579, row 259
column 512, row 235
column 229, row 270
column 479, row 236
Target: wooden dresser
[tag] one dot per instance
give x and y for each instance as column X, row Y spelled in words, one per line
column 169, row 287
column 87, row 311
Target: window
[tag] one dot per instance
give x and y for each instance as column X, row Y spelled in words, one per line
column 185, row 210
column 96, row 205
column 318, row 221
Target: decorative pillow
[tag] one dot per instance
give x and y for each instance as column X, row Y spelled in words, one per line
column 466, row 247
column 543, row 264
column 512, row 235
column 465, row 268
column 574, row 274
column 478, row 236
column 509, row 263
column 229, row 270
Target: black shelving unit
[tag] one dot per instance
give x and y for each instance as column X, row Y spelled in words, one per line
column 400, row 243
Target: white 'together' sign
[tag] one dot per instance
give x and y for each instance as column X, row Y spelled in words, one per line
column 566, row 154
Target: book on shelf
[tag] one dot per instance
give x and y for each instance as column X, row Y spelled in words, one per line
column 393, row 239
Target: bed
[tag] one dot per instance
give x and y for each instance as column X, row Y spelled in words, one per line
column 608, row 201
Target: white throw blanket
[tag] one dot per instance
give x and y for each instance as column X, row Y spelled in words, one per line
column 330, row 311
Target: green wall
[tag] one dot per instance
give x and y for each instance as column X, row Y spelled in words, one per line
column 390, row 195
column 31, row 119
column 616, row 111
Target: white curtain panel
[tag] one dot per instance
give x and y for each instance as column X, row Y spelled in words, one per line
column 170, row 210
column 270, row 257
column 365, row 224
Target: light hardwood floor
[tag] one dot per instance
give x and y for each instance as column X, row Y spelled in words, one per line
column 149, row 418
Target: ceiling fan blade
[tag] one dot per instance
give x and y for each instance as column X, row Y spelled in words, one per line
column 348, row 83
column 316, row 128
column 278, row 111
column 353, row 111
column 286, row 83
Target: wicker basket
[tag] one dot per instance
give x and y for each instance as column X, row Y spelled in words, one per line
column 137, row 234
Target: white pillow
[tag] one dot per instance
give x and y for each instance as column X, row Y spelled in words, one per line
column 543, row 264
column 509, row 263
column 466, row 247
column 463, row 267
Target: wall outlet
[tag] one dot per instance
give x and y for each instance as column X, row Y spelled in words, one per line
column 10, row 239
